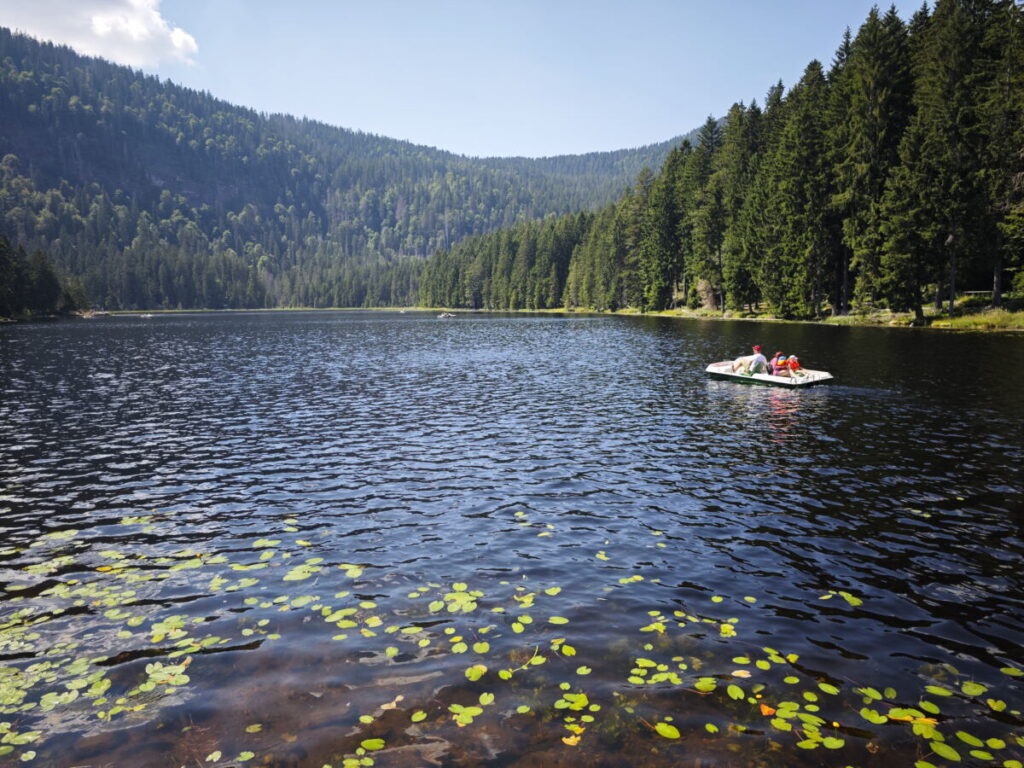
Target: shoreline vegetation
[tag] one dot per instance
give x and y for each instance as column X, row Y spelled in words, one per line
column 969, row 316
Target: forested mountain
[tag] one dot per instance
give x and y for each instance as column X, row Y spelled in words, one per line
column 894, row 177
column 161, row 196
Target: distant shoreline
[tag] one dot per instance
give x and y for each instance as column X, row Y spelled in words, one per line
column 984, row 320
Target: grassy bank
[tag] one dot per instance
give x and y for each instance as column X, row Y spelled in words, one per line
column 968, row 315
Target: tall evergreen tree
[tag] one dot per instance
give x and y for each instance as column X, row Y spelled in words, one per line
column 880, row 92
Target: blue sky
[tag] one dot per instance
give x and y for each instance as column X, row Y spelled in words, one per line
column 477, row 77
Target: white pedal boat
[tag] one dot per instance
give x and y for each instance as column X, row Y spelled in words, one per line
column 804, row 378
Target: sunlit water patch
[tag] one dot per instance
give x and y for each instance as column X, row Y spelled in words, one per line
column 363, row 539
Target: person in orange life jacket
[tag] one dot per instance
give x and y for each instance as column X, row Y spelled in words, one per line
column 754, row 363
column 781, row 366
column 794, row 366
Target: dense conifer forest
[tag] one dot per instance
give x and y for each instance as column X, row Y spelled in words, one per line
column 893, row 178
column 890, row 179
column 157, row 196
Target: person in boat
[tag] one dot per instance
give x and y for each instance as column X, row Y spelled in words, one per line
column 793, row 364
column 780, row 366
column 774, row 362
column 755, row 363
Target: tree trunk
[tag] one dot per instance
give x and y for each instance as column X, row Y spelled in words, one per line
column 952, row 282
column 997, row 281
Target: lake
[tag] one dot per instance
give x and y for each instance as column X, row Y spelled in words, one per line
column 360, row 538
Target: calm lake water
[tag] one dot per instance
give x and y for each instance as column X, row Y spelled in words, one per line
column 309, row 539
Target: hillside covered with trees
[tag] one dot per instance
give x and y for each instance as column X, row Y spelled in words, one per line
column 154, row 195
column 892, row 178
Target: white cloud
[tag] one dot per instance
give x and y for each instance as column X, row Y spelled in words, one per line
column 129, row 32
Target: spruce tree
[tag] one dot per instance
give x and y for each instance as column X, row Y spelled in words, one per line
column 880, row 91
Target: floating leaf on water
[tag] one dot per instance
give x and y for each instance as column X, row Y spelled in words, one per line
column 938, row 690
column 213, row 757
column 968, row 738
column 371, row 745
column 481, row 647
column 557, row 620
column 475, row 672
column 1012, row 671
column 929, row 706
column 245, row 756
column 418, row 716
column 972, row 688
column 717, row 598
column 254, row 728
column 486, row 699
column 735, row 692
column 831, row 742
column 828, row 688
column 706, row 684
column 584, row 670
column 552, row 591
column 711, row 728
column 791, row 679
column 944, row 750
column 667, row 730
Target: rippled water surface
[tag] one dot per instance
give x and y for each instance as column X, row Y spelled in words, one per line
column 309, row 539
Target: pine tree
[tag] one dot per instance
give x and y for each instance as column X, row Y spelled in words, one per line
column 880, row 90
column 1002, row 115
column 939, row 186
column 734, row 172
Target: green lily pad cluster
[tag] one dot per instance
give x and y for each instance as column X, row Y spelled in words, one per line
column 504, row 650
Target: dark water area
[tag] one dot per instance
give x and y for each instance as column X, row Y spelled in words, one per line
column 339, row 539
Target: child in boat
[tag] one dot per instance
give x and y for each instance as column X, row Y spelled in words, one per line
column 780, row 366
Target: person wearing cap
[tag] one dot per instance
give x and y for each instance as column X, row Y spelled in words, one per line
column 755, row 363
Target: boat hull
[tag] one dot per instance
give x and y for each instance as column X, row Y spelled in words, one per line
column 809, row 378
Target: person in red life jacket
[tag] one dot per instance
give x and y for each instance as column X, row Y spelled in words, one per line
column 794, row 366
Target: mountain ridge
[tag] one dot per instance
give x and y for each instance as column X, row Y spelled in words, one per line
column 285, row 201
